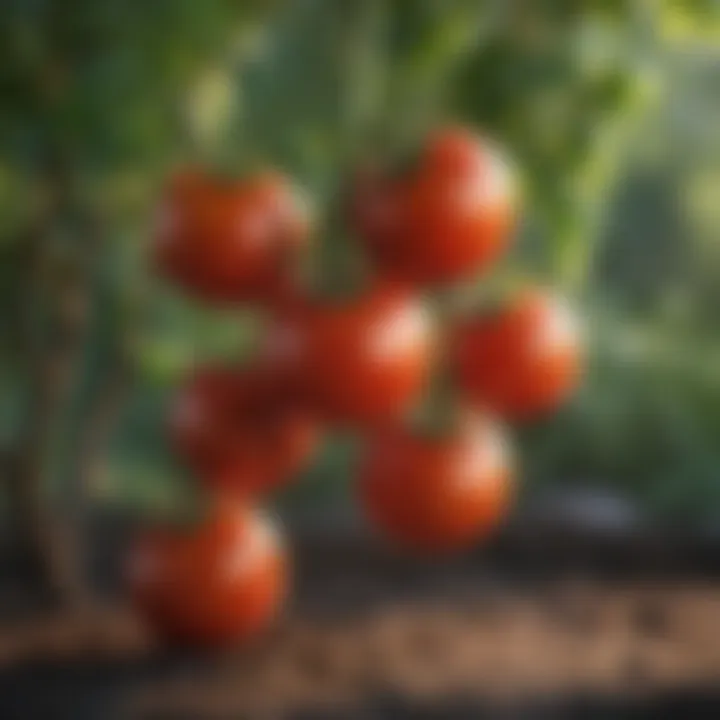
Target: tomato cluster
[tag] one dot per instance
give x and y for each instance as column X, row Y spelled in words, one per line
column 362, row 361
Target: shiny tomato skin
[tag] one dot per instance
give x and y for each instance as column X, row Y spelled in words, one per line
column 360, row 361
column 446, row 220
column 227, row 241
column 522, row 361
column 436, row 494
column 217, row 584
column 240, row 429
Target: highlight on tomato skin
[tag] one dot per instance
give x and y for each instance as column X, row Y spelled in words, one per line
column 361, row 361
column 229, row 240
column 437, row 494
column 241, row 430
column 219, row 583
column 523, row 360
column 447, row 219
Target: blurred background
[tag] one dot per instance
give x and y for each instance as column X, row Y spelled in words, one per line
column 609, row 107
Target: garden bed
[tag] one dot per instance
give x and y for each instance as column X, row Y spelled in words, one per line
column 540, row 625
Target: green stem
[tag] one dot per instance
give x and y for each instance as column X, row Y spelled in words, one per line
column 49, row 345
column 334, row 267
column 421, row 72
column 440, row 411
column 215, row 122
column 338, row 267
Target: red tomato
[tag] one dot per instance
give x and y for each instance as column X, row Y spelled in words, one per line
column 359, row 361
column 522, row 361
column 445, row 220
column 240, row 430
column 215, row 584
column 229, row 240
column 436, row 493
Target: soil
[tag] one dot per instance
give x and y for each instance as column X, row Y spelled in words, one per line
column 549, row 629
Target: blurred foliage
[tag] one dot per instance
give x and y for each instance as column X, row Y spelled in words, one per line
column 119, row 91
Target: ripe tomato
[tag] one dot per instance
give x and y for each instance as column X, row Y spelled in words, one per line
column 240, row 430
column 218, row 583
column 436, row 493
column 445, row 220
column 359, row 361
column 229, row 240
column 523, row 360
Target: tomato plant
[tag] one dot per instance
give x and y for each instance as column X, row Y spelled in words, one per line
column 437, row 492
column 522, row 360
column 212, row 584
column 229, row 240
column 240, row 430
column 362, row 360
column 356, row 352
column 445, row 219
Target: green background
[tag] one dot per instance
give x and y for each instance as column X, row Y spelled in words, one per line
column 610, row 109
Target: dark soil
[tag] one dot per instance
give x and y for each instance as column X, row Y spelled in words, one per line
column 531, row 629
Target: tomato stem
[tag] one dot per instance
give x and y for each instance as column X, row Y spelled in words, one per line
column 191, row 502
column 338, row 268
column 339, row 265
column 441, row 409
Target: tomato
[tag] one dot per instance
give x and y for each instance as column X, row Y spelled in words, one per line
column 436, row 493
column 215, row 584
column 240, row 430
column 445, row 220
column 523, row 360
column 359, row 361
column 229, row 240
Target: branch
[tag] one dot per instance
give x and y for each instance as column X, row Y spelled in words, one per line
column 53, row 329
column 98, row 429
